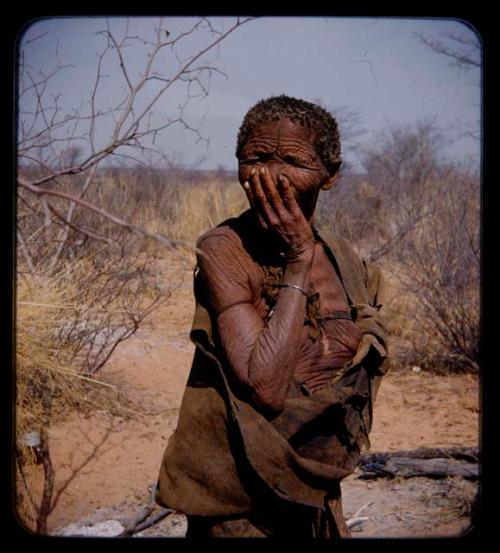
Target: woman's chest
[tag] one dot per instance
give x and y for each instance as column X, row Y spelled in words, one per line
column 325, row 290
column 326, row 282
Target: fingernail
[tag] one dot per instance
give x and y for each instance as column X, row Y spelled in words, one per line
column 246, row 185
column 281, row 178
column 263, row 171
column 253, row 171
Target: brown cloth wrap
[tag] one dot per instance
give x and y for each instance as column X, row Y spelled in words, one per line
column 226, row 458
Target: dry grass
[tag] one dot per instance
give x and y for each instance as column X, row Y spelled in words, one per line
column 455, row 499
column 49, row 356
column 41, row 359
column 181, row 209
column 188, row 210
column 61, row 321
column 65, row 325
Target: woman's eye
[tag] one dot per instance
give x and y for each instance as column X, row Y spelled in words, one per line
column 257, row 158
column 297, row 162
column 265, row 157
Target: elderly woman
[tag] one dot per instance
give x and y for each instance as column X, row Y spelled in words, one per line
column 290, row 347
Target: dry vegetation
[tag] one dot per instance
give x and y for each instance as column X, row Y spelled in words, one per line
column 180, row 205
column 88, row 274
column 75, row 304
column 87, row 270
column 417, row 216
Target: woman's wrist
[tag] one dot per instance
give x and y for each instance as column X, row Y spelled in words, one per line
column 294, row 287
column 303, row 255
column 299, row 265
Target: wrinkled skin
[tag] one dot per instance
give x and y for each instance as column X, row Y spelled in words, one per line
column 282, row 175
column 284, row 148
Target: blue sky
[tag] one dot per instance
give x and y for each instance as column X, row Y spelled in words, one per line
column 375, row 67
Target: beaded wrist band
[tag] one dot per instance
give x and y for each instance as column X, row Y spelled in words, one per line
column 295, row 287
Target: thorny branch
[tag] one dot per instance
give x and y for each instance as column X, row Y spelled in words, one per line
column 127, row 130
column 41, row 141
column 465, row 51
column 172, row 245
column 59, row 156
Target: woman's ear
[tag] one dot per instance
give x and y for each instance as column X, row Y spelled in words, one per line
column 330, row 181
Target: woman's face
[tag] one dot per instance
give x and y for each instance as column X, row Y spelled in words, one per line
column 287, row 148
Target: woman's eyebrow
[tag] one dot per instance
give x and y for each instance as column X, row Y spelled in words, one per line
column 260, row 146
column 258, row 141
column 296, row 150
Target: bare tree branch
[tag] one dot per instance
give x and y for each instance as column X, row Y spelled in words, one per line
column 172, row 245
column 465, row 58
column 25, row 251
column 78, row 254
column 63, row 236
column 122, row 134
column 80, row 229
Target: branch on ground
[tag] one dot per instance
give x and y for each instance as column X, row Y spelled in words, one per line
column 427, row 462
column 138, row 522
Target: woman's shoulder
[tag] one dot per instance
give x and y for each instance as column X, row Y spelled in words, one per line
column 234, row 233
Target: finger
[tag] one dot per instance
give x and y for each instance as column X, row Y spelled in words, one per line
column 288, row 196
column 261, row 200
column 251, row 200
column 250, row 188
column 271, row 191
column 286, row 191
column 262, row 222
column 248, row 191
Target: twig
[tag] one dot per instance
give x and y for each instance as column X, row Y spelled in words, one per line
column 361, row 509
column 153, row 520
column 465, row 59
column 182, row 71
column 48, row 484
column 30, row 500
column 64, row 239
column 63, row 236
column 356, row 519
column 139, row 522
column 93, row 380
column 26, row 253
column 130, row 526
column 173, row 245
column 75, row 307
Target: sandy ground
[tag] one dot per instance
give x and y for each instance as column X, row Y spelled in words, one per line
column 105, row 464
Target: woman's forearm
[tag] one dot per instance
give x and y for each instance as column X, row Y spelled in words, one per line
column 272, row 362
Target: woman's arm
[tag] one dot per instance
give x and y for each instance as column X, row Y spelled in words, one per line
column 262, row 358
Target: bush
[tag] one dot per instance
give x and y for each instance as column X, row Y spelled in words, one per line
column 418, row 217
